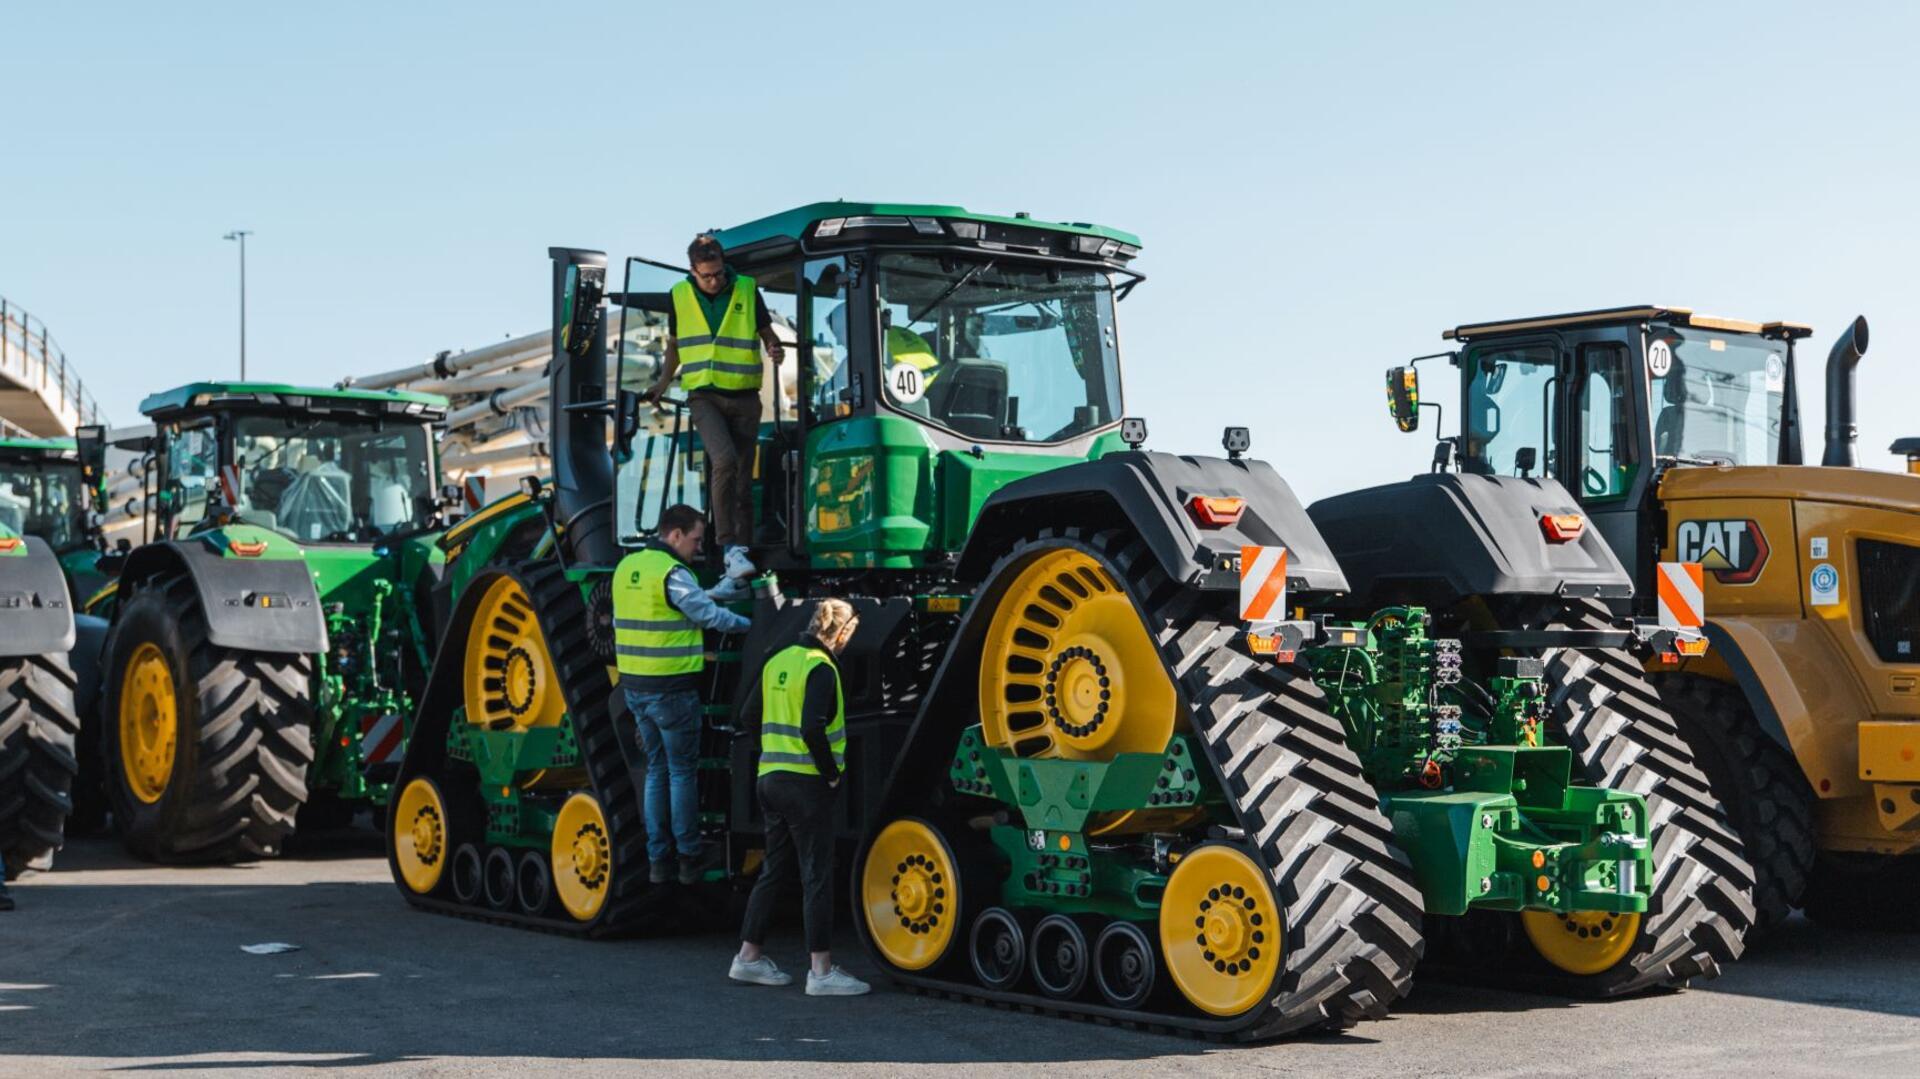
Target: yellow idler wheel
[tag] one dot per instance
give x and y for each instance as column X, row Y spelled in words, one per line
column 1589, row 942
column 420, row 835
column 1069, row 670
column 149, row 723
column 910, row 893
column 582, row 856
column 509, row 678
column 1220, row 930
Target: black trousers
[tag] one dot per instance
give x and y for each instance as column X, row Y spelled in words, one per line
column 799, row 815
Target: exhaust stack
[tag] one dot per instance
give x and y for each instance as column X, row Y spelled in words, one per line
column 1840, row 364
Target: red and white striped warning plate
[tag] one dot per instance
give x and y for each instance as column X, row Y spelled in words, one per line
column 476, row 493
column 1263, row 584
column 381, row 738
column 1680, row 590
column 230, row 484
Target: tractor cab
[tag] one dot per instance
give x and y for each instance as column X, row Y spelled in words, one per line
column 1604, row 401
column 42, row 492
column 933, row 355
column 317, row 466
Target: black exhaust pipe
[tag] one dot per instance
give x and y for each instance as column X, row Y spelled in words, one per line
column 1840, row 364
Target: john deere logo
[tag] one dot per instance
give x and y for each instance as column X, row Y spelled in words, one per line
column 1734, row 551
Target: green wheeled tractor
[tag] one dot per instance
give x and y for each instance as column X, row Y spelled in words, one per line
column 43, row 546
column 1116, row 746
column 268, row 639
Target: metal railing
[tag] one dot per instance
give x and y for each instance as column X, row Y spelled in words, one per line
column 29, row 356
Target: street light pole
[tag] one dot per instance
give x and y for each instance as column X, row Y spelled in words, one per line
column 241, row 235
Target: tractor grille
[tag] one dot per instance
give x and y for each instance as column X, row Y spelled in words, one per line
column 1890, row 595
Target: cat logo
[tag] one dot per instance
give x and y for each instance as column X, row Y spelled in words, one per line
column 1734, row 551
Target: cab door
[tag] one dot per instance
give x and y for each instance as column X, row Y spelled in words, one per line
column 1605, row 466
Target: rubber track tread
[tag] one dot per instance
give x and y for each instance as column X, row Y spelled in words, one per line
column 1701, row 910
column 39, row 732
column 565, row 622
column 1353, row 912
column 1765, row 793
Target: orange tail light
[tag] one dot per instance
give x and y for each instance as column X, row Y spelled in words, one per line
column 1216, row 511
column 1562, row 527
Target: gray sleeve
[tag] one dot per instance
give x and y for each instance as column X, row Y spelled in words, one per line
column 687, row 598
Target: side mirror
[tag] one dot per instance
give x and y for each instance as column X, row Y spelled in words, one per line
column 1403, row 397
column 90, row 440
column 626, row 419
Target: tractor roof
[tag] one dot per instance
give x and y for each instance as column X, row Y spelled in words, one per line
column 915, row 221
column 1684, row 316
column 37, row 447
column 274, row 396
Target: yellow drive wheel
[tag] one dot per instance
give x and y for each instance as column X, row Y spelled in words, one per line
column 582, row 857
column 149, row 723
column 1220, row 930
column 1589, row 942
column 509, row 678
column 910, row 893
column 1068, row 670
column 420, row 835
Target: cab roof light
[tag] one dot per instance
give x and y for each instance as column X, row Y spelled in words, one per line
column 926, row 226
column 830, row 227
column 968, row 230
column 1216, row 511
column 1562, row 527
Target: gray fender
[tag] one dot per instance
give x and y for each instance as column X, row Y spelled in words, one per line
column 253, row 604
column 36, row 613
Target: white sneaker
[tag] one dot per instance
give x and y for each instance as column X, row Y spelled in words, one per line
column 738, row 565
column 760, row 972
column 836, row 983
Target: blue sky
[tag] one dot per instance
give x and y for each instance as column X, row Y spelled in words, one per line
column 1320, row 190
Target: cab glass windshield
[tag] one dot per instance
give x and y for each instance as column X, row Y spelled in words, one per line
column 996, row 351
column 1717, row 398
column 332, row 481
column 40, row 500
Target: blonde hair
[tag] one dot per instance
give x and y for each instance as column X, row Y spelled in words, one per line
column 830, row 616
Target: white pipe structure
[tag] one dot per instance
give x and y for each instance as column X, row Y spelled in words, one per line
column 500, row 354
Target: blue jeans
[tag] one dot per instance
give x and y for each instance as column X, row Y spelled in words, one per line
column 669, row 727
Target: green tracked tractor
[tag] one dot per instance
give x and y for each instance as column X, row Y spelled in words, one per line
column 44, row 563
column 1077, row 778
column 268, row 639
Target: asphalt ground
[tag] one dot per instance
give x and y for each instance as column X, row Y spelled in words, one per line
column 113, row 965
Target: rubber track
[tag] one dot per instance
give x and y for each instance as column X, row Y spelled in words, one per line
column 1764, row 792
column 1701, row 909
column 253, row 745
column 564, row 621
column 39, row 729
column 1353, row 912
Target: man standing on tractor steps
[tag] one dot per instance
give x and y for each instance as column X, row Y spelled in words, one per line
column 715, row 326
column 803, row 754
column 659, row 611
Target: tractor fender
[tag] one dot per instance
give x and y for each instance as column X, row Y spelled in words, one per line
column 89, row 652
column 254, row 604
column 1801, row 689
column 1149, row 493
column 36, row 614
column 1445, row 536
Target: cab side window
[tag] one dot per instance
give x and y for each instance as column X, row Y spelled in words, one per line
column 1510, row 424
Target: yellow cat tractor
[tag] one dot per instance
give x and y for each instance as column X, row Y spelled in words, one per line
column 1680, row 434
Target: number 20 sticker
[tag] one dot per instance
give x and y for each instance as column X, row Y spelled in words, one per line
column 906, row 382
column 1659, row 359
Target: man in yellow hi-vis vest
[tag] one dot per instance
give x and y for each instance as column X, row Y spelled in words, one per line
column 803, row 754
column 715, row 327
column 659, row 612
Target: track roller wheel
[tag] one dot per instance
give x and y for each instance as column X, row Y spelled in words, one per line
column 1124, row 966
column 1219, row 929
column 533, row 884
column 582, row 857
column 997, row 948
column 910, row 894
column 498, row 878
column 466, row 874
column 1059, row 957
column 1585, row 943
column 420, row 835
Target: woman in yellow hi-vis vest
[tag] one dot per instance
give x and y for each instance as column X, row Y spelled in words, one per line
column 803, row 754
column 715, row 327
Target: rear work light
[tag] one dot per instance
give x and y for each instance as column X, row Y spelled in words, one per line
column 1562, row 527
column 1216, row 511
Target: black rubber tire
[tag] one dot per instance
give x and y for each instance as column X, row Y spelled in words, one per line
column 243, row 744
column 1765, row 794
column 1864, row 891
column 1602, row 706
column 38, row 733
